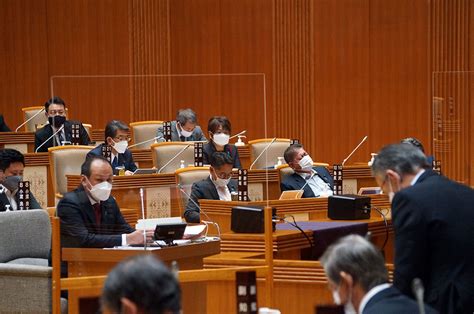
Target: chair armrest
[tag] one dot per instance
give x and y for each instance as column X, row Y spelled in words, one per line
column 25, row 270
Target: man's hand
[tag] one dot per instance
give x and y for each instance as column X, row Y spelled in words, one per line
column 128, row 173
column 136, row 237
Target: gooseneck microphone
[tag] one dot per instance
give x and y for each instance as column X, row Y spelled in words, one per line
column 175, row 156
column 241, row 133
column 263, row 151
column 146, row 141
column 181, row 189
column 355, row 149
column 47, row 140
column 142, row 203
column 29, row 119
column 418, row 290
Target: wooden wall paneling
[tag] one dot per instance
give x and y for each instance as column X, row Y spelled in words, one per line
column 150, row 96
column 341, row 114
column 399, row 70
column 23, row 57
column 89, row 37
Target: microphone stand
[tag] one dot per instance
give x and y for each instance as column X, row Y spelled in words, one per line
column 143, row 217
column 152, row 139
column 179, row 153
column 29, row 119
column 263, row 151
column 241, row 133
column 355, row 149
column 59, row 130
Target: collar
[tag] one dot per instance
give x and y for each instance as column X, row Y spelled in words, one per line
column 93, row 201
column 370, row 294
column 306, row 175
column 418, row 175
column 6, row 191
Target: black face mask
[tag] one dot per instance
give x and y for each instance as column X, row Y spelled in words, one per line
column 56, row 121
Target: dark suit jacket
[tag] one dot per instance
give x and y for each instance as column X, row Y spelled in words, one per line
column 78, row 223
column 3, row 126
column 296, row 182
column 391, row 301
column 209, row 149
column 4, row 201
column 45, row 132
column 434, row 241
column 125, row 159
column 204, row 189
column 197, row 134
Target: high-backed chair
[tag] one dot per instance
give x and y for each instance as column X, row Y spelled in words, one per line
column 25, row 277
column 285, row 170
column 39, row 120
column 64, row 160
column 163, row 152
column 143, row 131
column 273, row 152
column 185, row 177
column 88, row 128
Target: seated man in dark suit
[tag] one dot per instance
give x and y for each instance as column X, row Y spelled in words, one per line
column 90, row 217
column 116, row 136
column 358, row 279
column 12, row 163
column 219, row 129
column 184, row 129
column 141, row 284
column 218, row 186
column 433, row 219
column 55, row 110
column 315, row 181
column 3, row 126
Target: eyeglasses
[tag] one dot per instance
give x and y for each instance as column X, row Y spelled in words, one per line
column 123, row 138
column 224, row 175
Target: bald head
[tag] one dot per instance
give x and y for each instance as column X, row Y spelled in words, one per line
column 96, row 169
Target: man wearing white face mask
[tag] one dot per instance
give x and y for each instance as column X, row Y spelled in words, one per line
column 316, row 181
column 184, row 129
column 12, row 163
column 433, row 219
column 358, row 279
column 218, row 186
column 116, row 136
column 219, row 129
column 90, row 217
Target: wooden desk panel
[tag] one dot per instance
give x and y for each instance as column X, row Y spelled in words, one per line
column 21, row 141
column 37, row 172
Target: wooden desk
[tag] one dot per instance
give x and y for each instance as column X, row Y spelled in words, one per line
column 357, row 176
column 23, row 142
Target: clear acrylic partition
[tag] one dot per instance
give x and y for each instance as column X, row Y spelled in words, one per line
column 241, row 97
column 453, row 117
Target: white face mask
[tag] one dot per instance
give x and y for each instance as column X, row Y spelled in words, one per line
column 221, row 139
column 101, row 191
column 184, row 132
column 222, row 182
column 121, row 146
column 306, row 163
column 348, row 307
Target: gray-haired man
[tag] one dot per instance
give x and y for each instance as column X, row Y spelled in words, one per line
column 184, row 129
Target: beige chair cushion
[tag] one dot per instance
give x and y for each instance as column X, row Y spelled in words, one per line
column 270, row 158
column 39, row 120
column 88, row 128
column 66, row 160
column 185, row 178
column 143, row 131
column 162, row 153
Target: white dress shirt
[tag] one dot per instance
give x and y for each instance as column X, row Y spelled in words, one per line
column 418, row 175
column 317, row 185
column 10, row 197
column 224, row 193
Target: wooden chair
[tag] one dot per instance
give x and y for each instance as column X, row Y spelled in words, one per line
column 163, row 152
column 37, row 121
column 143, row 131
column 88, row 128
column 185, row 177
column 270, row 158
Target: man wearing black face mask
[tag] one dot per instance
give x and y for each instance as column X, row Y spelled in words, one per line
column 12, row 164
column 218, row 186
column 55, row 110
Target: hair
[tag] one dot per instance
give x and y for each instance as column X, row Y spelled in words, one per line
column 9, row 156
column 401, row 158
column 218, row 121
column 145, row 281
column 291, row 152
column 56, row 100
column 413, row 141
column 356, row 256
column 86, row 166
column 113, row 126
column 186, row 115
column 218, row 159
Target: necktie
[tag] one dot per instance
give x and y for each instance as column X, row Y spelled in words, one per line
column 97, row 212
column 115, row 162
column 182, row 138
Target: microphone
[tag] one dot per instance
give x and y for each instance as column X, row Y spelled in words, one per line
column 143, row 217
column 136, row 144
column 263, row 151
column 175, row 156
column 418, row 290
column 241, row 133
column 29, row 119
column 181, row 189
column 355, row 149
column 47, row 140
